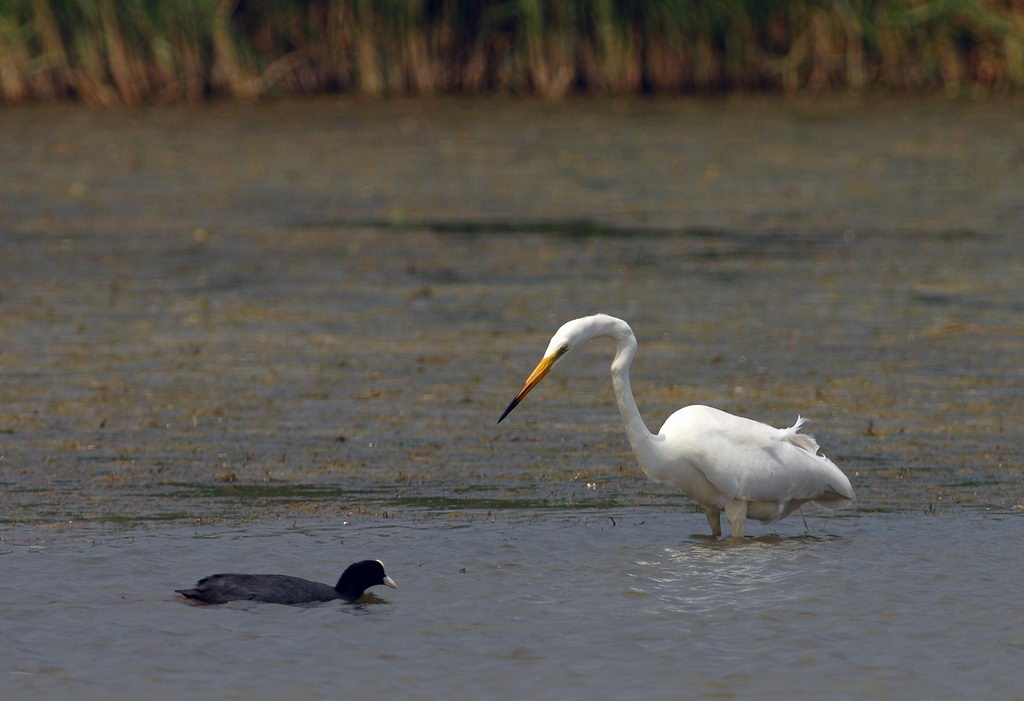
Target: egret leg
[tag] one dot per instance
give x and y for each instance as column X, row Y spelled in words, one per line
column 736, row 512
column 714, row 520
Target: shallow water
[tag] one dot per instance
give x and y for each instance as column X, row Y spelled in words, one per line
column 561, row 605
column 277, row 339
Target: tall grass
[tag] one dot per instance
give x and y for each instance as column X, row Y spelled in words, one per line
column 132, row 51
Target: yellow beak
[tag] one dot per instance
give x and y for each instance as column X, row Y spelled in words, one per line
column 542, row 369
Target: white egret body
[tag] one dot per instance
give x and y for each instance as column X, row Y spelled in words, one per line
column 723, row 462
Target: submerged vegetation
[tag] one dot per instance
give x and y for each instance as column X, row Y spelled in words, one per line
column 132, row 51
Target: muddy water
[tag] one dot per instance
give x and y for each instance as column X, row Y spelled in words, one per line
column 277, row 339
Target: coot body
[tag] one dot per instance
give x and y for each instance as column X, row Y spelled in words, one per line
column 284, row 589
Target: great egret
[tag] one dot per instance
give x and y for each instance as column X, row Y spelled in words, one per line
column 723, row 462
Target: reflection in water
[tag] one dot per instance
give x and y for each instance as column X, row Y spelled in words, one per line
column 709, row 577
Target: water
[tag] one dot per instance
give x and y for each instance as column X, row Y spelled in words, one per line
column 276, row 339
column 564, row 605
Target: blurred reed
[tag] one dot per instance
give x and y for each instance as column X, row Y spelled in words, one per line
column 133, row 51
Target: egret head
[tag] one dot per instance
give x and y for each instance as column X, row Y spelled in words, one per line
column 571, row 335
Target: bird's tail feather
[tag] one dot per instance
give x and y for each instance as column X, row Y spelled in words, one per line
column 801, row 440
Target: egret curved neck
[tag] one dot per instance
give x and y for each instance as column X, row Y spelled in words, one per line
column 640, row 439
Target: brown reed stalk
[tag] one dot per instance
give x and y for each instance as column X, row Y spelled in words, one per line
column 133, row 51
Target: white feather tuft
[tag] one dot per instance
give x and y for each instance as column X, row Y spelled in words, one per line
column 801, row 440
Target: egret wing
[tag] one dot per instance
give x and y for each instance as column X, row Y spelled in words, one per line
column 753, row 469
column 750, row 460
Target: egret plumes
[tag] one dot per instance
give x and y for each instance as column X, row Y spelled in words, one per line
column 725, row 463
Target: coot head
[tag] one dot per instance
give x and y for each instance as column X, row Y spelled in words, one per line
column 360, row 576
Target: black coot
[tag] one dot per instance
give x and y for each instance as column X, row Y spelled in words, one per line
column 282, row 589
